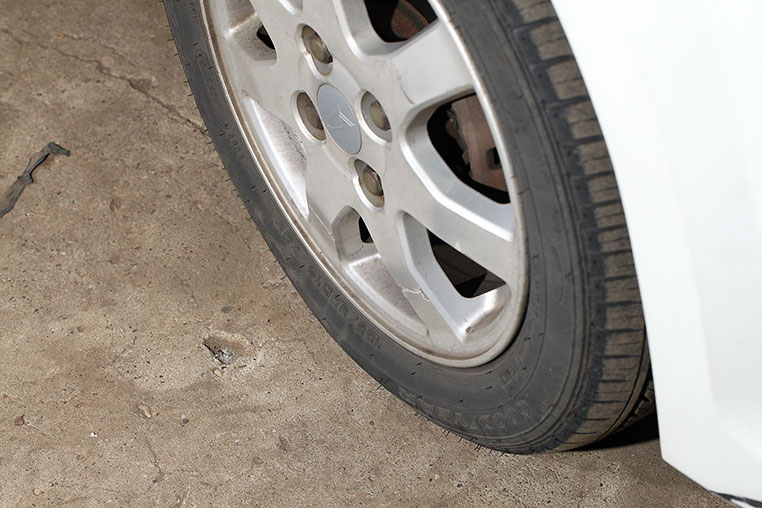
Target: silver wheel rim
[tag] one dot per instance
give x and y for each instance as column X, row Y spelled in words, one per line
column 325, row 186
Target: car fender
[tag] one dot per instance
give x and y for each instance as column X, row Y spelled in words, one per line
column 677, row 88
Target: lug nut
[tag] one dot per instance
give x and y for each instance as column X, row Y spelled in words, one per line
column 375, row 117
column 319, row 51
column 372, row 182
column 316, row 46
column 378, row 116
column 310, row 116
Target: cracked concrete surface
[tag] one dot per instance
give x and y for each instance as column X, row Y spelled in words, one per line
column 122, row 259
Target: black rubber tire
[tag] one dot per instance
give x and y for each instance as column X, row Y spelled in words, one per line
column 579, row 367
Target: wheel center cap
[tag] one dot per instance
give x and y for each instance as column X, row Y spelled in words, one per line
column 339, row 119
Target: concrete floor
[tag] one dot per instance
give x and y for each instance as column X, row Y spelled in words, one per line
column 120, row 260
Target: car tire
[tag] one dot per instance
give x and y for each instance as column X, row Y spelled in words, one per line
column 575, row 367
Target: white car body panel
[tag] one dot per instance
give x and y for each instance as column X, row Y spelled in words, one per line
column 677, row 87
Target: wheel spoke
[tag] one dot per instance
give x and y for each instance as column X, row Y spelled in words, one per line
column 264, row 75
column 354, row 27
column 329, row 188
column 408, row 258
column 278, row 19
column 430, row 69
column 474, row 225
column 265, row 87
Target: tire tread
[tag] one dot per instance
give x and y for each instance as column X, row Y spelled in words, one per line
column 595, row 194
